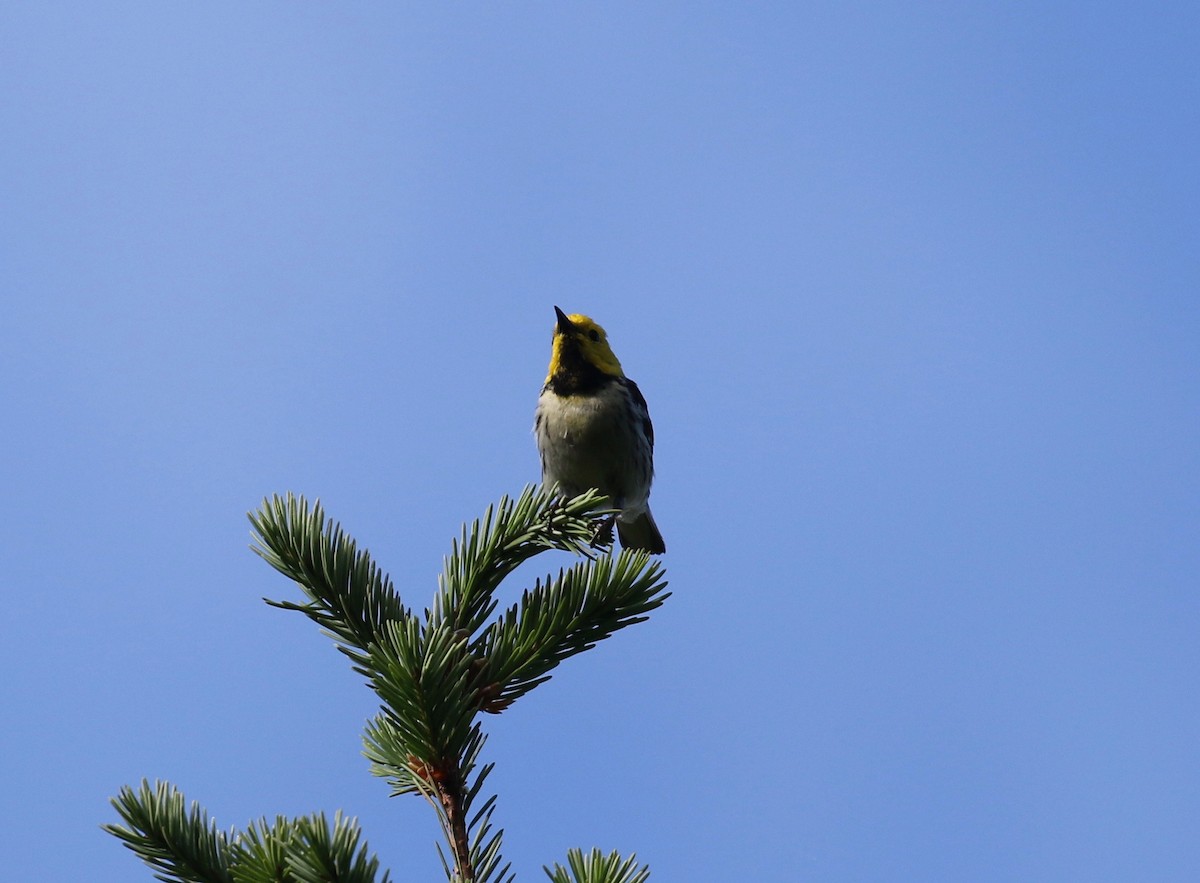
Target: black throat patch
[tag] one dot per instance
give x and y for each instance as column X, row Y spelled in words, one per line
column 576, row 374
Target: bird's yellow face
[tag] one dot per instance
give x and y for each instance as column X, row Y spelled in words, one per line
column 578, row 336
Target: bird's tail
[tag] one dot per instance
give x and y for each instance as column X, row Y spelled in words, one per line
column 641, row 533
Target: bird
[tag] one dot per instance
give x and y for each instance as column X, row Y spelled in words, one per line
column 593, row 430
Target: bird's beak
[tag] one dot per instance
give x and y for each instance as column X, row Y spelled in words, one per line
column 565, row 325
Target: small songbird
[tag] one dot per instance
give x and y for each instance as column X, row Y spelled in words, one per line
column 593, row 429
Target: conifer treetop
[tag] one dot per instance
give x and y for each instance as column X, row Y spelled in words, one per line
column 435, row 672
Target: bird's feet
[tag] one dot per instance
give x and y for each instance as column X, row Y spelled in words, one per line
column 603, row 537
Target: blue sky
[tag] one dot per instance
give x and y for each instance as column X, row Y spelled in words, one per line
column 912, row 291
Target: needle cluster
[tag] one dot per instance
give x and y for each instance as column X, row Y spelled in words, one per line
column 435, row 672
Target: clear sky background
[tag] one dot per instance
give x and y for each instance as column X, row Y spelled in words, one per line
column 913, row 291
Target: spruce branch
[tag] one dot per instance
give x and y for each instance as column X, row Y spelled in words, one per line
column 450, row 784
column 485, row 846
column 564, row 616
column 509, row 534
column 322, row 854
column 434, row 675
column 349, row 596
column 426, row 739
column 261, row 853
column 181, row 844
column 596, row 867
column 424, row 677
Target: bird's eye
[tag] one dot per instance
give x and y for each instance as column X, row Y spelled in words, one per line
column 594, row 335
